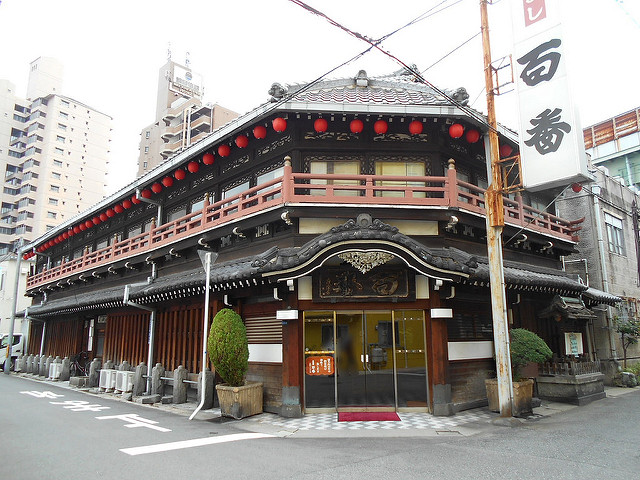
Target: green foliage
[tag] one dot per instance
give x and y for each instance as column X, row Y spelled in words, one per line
column 635, row 369
column 228, row 347
column 526, row 347
column 629, row 331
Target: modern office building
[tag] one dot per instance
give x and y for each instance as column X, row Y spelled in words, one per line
column 181, row 117
column 54, row 153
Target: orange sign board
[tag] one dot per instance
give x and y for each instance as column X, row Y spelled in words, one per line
column 320, row 366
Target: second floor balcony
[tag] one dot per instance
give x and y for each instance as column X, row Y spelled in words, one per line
column 300, row 190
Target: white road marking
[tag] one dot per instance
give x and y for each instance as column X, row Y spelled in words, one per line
column 196, row 442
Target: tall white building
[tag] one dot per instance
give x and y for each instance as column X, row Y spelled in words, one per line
column 181, row 117
column 54, row 152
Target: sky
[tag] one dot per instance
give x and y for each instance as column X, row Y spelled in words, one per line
column 112, row 52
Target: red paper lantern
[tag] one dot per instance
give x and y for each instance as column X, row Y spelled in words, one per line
column 65, row 236
column 193, row 167
column 320, row 125
column 70, row 232
column 505, row 150
column 76, row 229
column 179, row 174
column 118, row 208
column 415, row 127
column 224, row 150
column 279, row 124
column 472, row 135
column 208, row 159
column 25, row 256
column 167, row 181
column 103, row 217
column 156, row 187
column 456, row 130
column 127, row 204
column 356, row 126
column 95, row 220
column 88, row 224
column 146, row 193
column 576, row 187
column 110, row 212
column 260, row 132
column 242, row 141
column 380, row 127
column 82, row 227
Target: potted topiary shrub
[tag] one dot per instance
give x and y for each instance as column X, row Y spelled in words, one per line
column 229, row 352
column 525, row 346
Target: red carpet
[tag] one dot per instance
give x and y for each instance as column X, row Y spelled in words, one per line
column 368, row 417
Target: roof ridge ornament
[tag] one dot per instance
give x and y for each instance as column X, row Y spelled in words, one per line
column 277, row 92
column 362, row 80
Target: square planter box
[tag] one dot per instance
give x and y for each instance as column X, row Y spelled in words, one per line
column 240, row 402
column 522, row 397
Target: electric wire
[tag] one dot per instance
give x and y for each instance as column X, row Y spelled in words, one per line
column 416, row 74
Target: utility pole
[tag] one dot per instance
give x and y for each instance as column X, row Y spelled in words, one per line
column 495, row 224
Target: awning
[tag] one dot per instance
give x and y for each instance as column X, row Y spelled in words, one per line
column 593, row 296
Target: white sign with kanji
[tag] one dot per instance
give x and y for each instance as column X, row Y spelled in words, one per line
column 552, row 150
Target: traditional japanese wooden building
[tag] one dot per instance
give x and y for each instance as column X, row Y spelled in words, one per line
column 348, row 219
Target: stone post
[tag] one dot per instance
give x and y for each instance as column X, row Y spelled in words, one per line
column 209, row 396
column 21, row 364
column 29, row 368
column 47, row 364
column 179, row 387
column 157, row 384
column 139, row 382
column 35, row 365
column 65, row 373
column 94, row 373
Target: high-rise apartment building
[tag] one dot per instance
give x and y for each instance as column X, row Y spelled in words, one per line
column 181, row 117
column 54, row 153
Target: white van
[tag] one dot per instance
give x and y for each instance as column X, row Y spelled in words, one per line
column 18, row 348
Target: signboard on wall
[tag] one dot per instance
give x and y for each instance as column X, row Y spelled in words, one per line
column 573, row 343
column 320, row 365
column 551, row 141
column 186, row 82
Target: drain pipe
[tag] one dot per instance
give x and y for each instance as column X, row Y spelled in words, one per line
column 152, row 321
column 207, row 282
column 595, row 192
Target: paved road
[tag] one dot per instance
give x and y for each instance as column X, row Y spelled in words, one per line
column 56, row 433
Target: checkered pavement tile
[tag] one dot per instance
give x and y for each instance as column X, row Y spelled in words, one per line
column 419, row 421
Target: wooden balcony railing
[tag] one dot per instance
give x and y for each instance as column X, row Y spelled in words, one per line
column 307, row 189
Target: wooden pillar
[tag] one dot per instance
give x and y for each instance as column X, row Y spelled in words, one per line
column 442, row 404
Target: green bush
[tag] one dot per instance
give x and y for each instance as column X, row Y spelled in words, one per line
column 526, row 347
column 228, row 347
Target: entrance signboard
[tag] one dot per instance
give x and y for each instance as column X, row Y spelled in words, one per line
column 320, row 366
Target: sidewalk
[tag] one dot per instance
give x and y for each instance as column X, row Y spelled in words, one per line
column 465, row 423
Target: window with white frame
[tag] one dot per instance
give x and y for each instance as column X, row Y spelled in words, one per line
column 614, row 233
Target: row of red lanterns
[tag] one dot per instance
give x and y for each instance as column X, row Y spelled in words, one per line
column 242, row 141
column 472, row 136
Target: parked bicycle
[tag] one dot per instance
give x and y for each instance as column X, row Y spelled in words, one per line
column 79, row 365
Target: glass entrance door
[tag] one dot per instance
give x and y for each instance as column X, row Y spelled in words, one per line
column 365, row 360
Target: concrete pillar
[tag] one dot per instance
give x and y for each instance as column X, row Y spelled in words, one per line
column 139, row 382
column 94, row 373
column 209, row 395
column 65, row 373
column 179, row 387
column 157, row 384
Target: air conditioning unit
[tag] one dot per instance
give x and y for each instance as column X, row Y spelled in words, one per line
column 107, row 379
column 54, row 371
column 124, row 381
